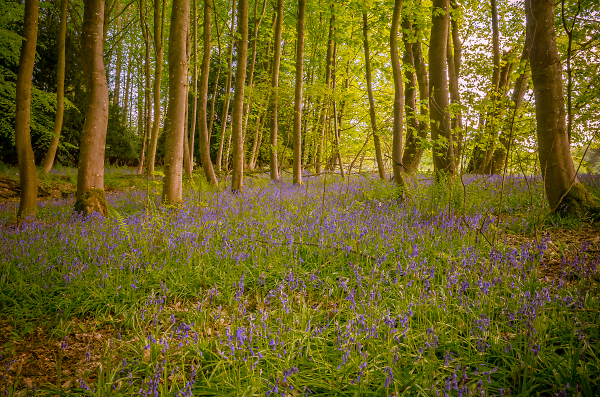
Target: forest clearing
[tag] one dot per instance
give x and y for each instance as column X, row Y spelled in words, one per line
column 298, row 198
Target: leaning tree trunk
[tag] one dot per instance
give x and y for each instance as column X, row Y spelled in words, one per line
column 275, row 85
column 441, row 133
column 297, row 133
column 27, row 172
column 60, row 90
column 565, row 194
column 207, row 166
column 175, row 120
column 159, row 41
column 90, row 195
column 376, row 141
column 398, row 97
column 237, row 111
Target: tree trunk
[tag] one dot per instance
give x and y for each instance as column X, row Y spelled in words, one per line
column 117, row 96
column 159, row 45
column 27, row 171
column 187, row 163
column 325, row 106
column 175, row 120
column 397, row 167
column 378, row 155
column 195, row 83
column 410, row 95
column 441, row 134
column 90, row 195
column 227, row 91
column 336, row 127
column 275, row 84
column 237, row 112
column 148, row 81
column 565, row 194
column 501, row 153
column 207, row 166
column 453, row 58
column 297, row 138
column 60, row 90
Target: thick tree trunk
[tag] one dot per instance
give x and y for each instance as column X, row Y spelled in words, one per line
column 227, row 92
column 27, row 171
column 397, row 166
column 187, row 163
column 207, row 166
column 441, row 134
column 410, row 94
column 297, row 137
column 175, row 120
column 275, row 84
column 237, row 112
column 565, row 194
column 376, row 142
column 60, row 90
column 159, row 45
column 90, row 195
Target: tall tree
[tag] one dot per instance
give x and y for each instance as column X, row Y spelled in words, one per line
column 148, row 82
column 203, row 139
column 376, row 141
column 441, row 134
column 275, row 85
column 297, row 131
column 90, row 196
column 563, row 190
column 159, row 45
column 60, row 90
column 325, row 106
column 194, row 81
column 398, row 97
column 27, row 171
column 175, row 120
column 237, row 112
column 453, row 58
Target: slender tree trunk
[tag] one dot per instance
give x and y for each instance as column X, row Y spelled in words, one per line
column 501, row 153
column 27, row 171
column 175, row 120
column 441, row 134
column 569, row 33
column 187, row 163
column 336, row 125
column 237, row 178
column 414, row 149
column 207, row 166
column 90, row 195
column 325, row 106
column 297, row 137
column 275, row 84
column 227, row 90
column 194, row 83
column 159, row 41
column 453, row 58
column 378, row 155
column 565, row 194
column 60, row 90
column 117, row 96
column 397, row 166
column 148, row 81
column 410, row 95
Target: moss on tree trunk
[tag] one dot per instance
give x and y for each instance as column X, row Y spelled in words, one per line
column 578, row 202
column 92, row 200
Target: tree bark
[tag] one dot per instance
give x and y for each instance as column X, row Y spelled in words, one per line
column 187, row 163
column 148, row 81
column 237, row 112
column 117, row 95
column 397, row 167
column 275, row 84
column 325, row 106
column 207, row 166
column 336, row 124
column 227, row 92
column 441, row 134
column 159, row 45
column 453, row 58
column 297, row 131
column 60, row 90
column 175, row 120
column 376, row 141
column 27, row 171
column 90, row 196
column 194, row 83
column 563, row 190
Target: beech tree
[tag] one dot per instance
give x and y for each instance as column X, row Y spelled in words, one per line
column 275, row 85
column 398, row 97
column 565, row 193
column 27, row 172
column 90, row 196
column 297, row 134
column 175, row 120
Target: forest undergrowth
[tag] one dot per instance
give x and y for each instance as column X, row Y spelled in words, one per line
column 333, row 287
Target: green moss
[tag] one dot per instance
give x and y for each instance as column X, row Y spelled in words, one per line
column 92, row 200
column 578, row 202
